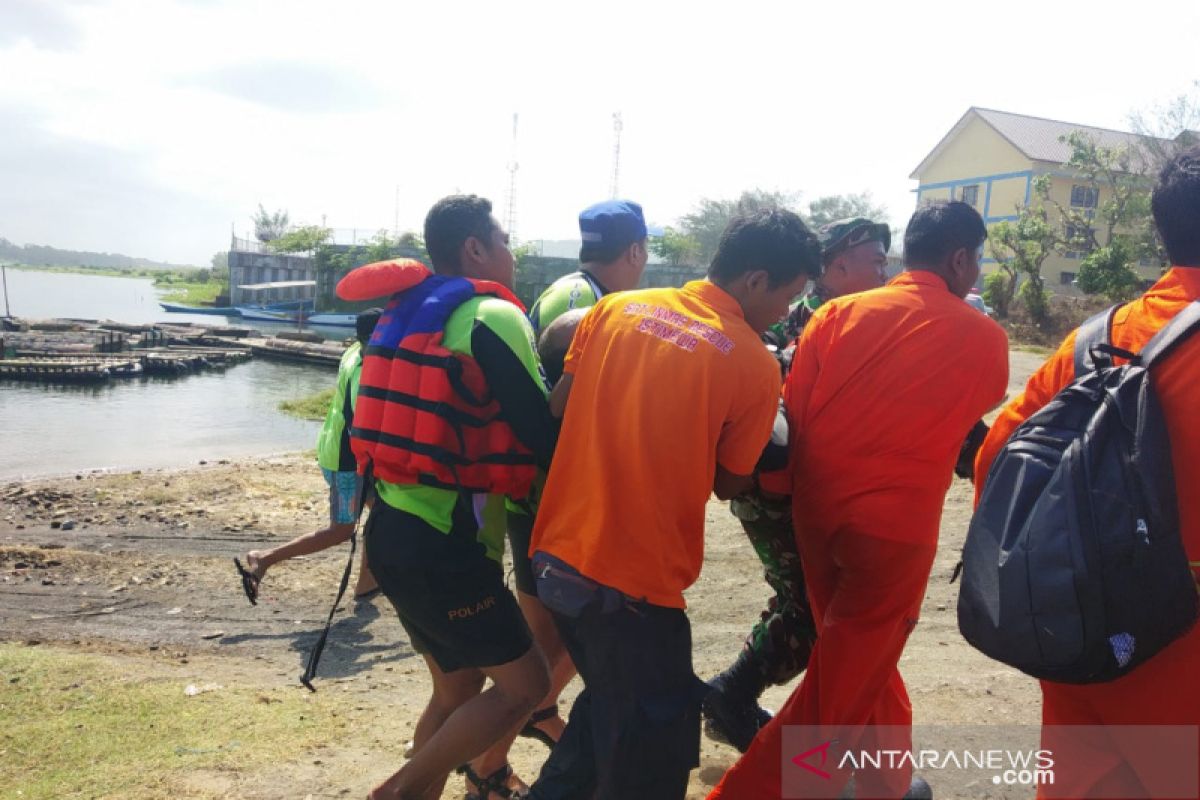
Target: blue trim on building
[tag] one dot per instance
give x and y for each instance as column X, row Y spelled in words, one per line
column 987, row 201
column 1027, row 174
column 1007, row 218
column 1028, row 187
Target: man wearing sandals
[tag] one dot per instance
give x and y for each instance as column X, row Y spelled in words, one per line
column 619, row 532
column 460, row 341
column 338, row 465
column 613, row 255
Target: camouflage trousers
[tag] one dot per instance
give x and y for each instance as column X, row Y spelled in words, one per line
column 782, row 641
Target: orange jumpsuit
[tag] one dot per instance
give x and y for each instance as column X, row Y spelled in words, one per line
column 884, row 387
column 1166, row 689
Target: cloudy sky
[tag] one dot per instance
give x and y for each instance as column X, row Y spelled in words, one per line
column 151, row 128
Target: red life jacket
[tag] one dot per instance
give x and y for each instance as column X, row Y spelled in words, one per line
column 425, row 414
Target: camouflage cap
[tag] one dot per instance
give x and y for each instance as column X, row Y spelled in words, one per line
column 843, row 234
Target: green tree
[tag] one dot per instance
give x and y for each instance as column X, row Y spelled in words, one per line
column 708, row 220
column 220, row 262
column 1118, row 179
column 268, row 226
column 1108, row 271
column 1020, row 247
column 675, row 247
column 833, row 207
column 305, row 239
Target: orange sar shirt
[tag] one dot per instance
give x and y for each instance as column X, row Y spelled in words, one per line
column 667, row 384
column 883, row 389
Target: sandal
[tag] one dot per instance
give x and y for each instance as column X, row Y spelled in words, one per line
column 496, row 783
column 249, row 582
column 532, row 730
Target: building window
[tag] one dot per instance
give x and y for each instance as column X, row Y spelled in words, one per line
column 970, row 194
column 1080, row 238
column 1066, row 278
column 1084, row 196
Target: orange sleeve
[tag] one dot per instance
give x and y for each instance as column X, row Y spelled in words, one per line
column 1047, row 381
column 749, row 424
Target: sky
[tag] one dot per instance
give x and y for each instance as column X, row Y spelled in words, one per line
column 155, row 129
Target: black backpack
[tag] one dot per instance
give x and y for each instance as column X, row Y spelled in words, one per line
column 1073, row 568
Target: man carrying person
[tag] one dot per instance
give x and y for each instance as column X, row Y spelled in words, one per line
column 453, row 418
column 672, row 397
column 854, row 259
column 613, row 256
column 1164, row 690
column 883, row 390
column 337, row 463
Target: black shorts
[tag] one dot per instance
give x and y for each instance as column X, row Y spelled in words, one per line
column 450, row 596
column 520, row 531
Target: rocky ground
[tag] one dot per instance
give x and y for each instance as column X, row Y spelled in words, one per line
column 138, row 565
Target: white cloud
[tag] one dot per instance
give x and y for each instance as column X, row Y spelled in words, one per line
column 325, row 110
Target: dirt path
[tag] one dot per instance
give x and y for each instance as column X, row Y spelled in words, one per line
column 138, row 565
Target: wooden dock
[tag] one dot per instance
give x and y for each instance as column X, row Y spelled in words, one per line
column 94, row 351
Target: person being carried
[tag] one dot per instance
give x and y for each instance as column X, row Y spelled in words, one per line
column 452, row 419
column 853, row 259
column 1163, row 691
column 613, row 256
column 340, row 470
column 619, row 533
column 882, row 392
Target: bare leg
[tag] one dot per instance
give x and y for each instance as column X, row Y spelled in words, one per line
column 474, row 726
column 562, row 669
column 259, row 561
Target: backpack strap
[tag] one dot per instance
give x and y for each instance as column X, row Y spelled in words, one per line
column 1174, row 332
column 1092, row 333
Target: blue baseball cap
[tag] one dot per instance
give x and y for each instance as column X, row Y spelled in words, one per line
column 614, row 223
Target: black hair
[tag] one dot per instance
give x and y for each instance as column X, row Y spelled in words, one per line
column 452, row 221
column 1176, row 207
column 774, row 240
column 364, row 324
column 598, row 253
column 938, row 229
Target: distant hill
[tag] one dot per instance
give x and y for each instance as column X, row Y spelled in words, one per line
column 42, row 255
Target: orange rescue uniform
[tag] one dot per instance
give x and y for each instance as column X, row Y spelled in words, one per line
column 884, row 387
column 1166, row 689
column 667, row 384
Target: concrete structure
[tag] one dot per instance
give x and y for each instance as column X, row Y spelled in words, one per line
column 251, row 262
column 990, row 160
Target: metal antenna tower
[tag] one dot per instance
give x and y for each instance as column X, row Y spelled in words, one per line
column 512, row 187
column 616, row 173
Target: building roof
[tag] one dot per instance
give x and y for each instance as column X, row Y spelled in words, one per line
column 1036, row 138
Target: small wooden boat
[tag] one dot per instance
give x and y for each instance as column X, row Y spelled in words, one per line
column 175, row 308
column 333, row 320
column 264, row 315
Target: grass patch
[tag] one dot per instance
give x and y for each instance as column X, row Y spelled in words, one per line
column 193, row 294
column 1036, row 349
column 81, row 725
column 312, row 407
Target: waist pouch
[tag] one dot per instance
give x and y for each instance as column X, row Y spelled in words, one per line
column 562, row 589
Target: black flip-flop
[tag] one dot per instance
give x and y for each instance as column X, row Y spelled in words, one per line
column 534, row 732
column 249, row 582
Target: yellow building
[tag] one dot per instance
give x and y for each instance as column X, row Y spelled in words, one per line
column 990, row 159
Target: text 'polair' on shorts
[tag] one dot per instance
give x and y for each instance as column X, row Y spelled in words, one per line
column 345, row 489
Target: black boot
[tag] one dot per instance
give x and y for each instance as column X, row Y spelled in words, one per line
column 731, row 711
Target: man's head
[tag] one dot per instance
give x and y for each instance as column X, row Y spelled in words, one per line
column 765, row 259
column 614, row 243
column 556, row 341
column 364, row 324
column 854, row 254
column 947, row 240
column 463, row 238
column 1176, row 206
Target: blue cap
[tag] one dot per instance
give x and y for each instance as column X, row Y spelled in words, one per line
column 614, row 223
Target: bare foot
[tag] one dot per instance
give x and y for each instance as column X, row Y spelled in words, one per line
column 254, row 564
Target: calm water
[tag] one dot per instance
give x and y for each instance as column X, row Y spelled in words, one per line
column 142, row 422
